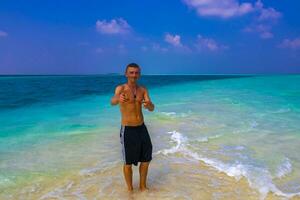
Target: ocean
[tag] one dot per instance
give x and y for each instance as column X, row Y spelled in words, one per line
column 214, row 137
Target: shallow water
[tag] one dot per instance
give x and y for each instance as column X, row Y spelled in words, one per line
column 214, row 139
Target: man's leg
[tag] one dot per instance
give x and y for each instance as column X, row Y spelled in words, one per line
column 143, row 169
column 127, row 169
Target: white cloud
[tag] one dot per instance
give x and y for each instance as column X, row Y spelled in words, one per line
column 173, row 40
column 157, row 47
column 202, row 44
column 115, row 26
column 263, row 30
column 208, row 44
column 265, row 20
column 266, row 35
column 216, row 8
column 269, row 14
column 266, row 14
column 290, row 43
column 3, row 34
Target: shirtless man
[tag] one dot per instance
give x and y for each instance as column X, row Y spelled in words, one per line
column 134, row 137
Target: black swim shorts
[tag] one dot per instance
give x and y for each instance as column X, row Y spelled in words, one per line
column 136, row 144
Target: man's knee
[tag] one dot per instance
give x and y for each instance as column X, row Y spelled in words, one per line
column 145, row 163
column 126, row 166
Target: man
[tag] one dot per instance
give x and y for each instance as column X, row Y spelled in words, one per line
column 134, row 137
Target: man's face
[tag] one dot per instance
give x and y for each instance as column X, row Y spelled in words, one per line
column 133, row 73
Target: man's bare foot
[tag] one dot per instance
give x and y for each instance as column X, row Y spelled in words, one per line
column 130, row 190
column 142, row 189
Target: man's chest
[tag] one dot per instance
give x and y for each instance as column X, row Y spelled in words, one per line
column 134, row 96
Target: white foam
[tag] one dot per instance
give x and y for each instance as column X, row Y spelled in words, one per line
column 174, row 114
column 284, row 168
column 206, row 139
column 254, row 124
column 258, row 178
column 177, row 138
column 100, row 167
column 58, row 192
column 282, row 110
column 240, row 148
column 169, row 113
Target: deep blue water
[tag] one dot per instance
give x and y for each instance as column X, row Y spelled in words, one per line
column 19, row 91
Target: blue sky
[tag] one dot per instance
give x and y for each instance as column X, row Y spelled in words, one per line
column 164, row 37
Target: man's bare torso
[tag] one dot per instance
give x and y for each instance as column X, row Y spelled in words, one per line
column 131, row 111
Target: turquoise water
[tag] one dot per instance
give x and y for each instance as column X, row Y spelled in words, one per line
column 246, row 127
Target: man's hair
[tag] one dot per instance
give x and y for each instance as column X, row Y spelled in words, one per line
column 134, row 65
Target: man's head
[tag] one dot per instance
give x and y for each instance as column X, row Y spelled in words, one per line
column 133, row 72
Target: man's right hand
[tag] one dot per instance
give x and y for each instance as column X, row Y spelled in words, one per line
column 120, row 96
column 123, row 98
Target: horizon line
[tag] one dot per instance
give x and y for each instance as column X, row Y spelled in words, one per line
column 154, row 74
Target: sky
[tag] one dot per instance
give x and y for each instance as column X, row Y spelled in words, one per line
column 162, row 36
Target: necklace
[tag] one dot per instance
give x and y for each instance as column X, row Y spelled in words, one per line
column 133, row 92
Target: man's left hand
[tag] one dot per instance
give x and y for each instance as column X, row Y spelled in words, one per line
column 147, row 104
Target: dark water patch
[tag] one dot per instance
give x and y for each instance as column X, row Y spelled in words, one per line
column 19, row 91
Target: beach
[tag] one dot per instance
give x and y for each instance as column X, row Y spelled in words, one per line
column 214, row 137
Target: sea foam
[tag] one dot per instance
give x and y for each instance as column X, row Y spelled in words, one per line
column 284, row 168
column 258, row 177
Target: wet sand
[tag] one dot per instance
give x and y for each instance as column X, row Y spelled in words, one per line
column 181, row 180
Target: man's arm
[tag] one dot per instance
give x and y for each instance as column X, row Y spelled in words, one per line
column 147, row 101
column 115, row 99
